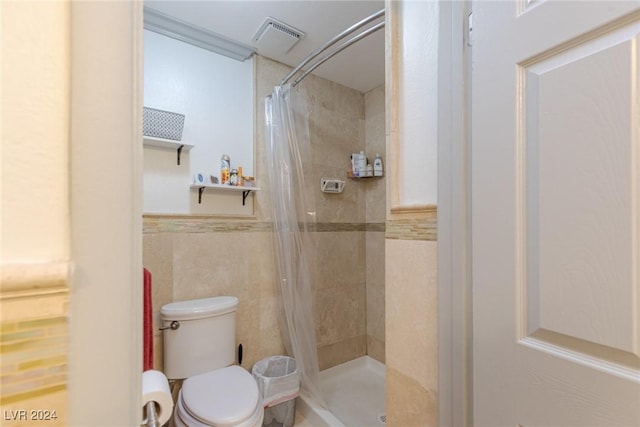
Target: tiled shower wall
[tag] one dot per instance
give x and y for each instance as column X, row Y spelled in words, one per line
column 195, row 257
column 375, row 215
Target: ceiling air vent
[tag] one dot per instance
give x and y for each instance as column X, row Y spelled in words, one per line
column 276, row 37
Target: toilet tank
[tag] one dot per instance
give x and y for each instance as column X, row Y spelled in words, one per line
column 205, row 339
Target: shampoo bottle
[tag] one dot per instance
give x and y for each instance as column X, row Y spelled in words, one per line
column 377, row 166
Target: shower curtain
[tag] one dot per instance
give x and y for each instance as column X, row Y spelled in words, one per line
column 293, row 214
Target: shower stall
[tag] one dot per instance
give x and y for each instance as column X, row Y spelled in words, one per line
column 329, row 247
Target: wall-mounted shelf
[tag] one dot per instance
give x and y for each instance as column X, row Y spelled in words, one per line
column 355, row 178
column 223, row 187
column 167, row 143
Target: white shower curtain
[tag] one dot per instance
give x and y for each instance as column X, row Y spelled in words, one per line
column 293, row 211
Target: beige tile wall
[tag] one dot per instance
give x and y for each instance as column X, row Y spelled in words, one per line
column 187, row 265
column 375, row 213
column 194, row 257
column 411, row 325
column 375, row 294
column 350, row 279
column 340, row 297
column 336, row 126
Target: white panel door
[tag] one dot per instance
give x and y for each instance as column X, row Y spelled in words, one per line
column 556, row 213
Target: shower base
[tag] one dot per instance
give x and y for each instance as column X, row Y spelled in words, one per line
column 355, row 395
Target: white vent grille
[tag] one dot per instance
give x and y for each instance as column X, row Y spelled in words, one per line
column 287, row 30
column 276, row 37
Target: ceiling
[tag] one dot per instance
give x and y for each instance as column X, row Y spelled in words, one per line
column 360, row 66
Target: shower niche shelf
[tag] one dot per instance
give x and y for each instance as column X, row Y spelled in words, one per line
column 179, row 146
column 222, row 187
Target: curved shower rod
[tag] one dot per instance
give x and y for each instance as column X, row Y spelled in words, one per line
column 334, row 52
column 338, row 50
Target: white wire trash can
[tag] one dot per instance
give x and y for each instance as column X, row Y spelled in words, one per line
column 279, row 384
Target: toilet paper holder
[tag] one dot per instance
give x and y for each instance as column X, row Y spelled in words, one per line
column 151, row 419
column 157, row 401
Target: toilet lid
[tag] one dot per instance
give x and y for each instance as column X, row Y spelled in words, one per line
column 224, row 397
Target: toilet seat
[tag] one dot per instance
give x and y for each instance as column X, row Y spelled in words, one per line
column 227, row 397
column 182, row 418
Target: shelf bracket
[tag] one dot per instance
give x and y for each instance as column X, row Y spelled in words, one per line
column 244, row 196
column 180, row 153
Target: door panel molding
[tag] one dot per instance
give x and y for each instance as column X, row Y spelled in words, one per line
column 612, row 338
column 555, row 226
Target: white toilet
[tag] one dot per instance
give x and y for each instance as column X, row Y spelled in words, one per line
column 200, row 346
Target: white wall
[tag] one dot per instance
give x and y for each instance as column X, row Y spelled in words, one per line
column 215, row 93
column 35, row 132
column 417, row 71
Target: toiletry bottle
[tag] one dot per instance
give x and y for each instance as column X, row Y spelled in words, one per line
column 363, row 164
column 369, row 169
column 225, row 169
column 377, row 166
column 354, row 165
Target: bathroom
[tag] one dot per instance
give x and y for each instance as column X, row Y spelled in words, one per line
column 109, row 238
column 70, row 280
column 107, row 256
column 213, row 244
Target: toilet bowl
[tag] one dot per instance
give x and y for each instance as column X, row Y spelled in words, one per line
column 222, row 398
column 199, row 347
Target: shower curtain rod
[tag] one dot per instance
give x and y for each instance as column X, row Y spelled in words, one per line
column 338, row 50
column 313, row 55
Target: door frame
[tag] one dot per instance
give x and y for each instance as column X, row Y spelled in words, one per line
column 105, row 343
column 455, row 328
